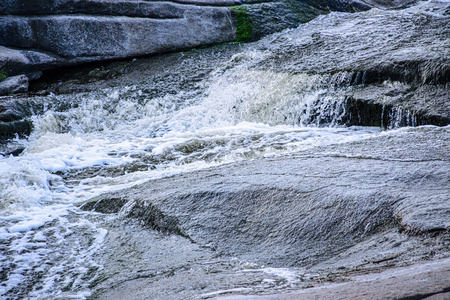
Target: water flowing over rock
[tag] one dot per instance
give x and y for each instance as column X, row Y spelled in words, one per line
column 354, row 206
column 312, row 161
column 384, row 78
column 42, row 35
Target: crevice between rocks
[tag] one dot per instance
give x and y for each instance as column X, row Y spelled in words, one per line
column 149, row 215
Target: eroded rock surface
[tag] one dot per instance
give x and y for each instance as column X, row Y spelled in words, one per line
column 47, row 34
column 294, row 210
column 335, row 210
column 14, row 85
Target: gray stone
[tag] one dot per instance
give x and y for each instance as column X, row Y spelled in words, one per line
column 358, row 5
column 389, row 4
column 339, row 5
column 418, row 282
column 60, row 33
column 28, row 61
column 384, row 58
column 14, row 85
column 146, row 9
column 336, row 211
column 115, row 37
column 268, row 17
column 304, row 208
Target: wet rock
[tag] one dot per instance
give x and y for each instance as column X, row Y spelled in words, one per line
column 340, row 5
column 358, row 5
column 64, row 33
column 261, row 18
column 423, row 281
column 12, row 129
column 388, row 67
column 14, row 152
column 304, row 208
column 54, row 34
column 16, row 61
column 14, row 85
column 389, row 4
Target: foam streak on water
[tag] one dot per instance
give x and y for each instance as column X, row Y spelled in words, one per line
column 116, row 138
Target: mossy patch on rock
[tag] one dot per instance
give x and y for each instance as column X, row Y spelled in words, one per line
column 244, row 25
column 3, row 74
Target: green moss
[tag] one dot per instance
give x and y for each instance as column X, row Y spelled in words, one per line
column 3, row 74
column 244, row 25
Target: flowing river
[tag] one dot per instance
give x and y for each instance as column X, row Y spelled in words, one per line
column 116, row 137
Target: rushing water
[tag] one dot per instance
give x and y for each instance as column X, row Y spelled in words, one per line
column 118, row 137
column 115, row 138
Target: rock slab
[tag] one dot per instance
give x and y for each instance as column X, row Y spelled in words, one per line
column 299, row 209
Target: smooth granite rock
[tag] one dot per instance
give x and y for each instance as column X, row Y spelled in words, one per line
column 60, row 33
column 303, row 208
column 116, row 37
column 42, row 35
column 328, row 213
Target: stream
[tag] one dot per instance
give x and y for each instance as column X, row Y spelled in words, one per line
column 84, row 144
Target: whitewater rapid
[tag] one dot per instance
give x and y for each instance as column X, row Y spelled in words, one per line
column 118, row 137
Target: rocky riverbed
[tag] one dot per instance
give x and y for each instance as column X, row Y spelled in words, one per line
column 335, row 211
column 313, row 163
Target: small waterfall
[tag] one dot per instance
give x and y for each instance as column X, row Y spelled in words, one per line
column 82, row 145
column 400, row 117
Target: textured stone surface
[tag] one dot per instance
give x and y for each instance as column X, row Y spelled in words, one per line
column 423, row 281
column 358, row 5
column 267, row 17
column 61, row 33
column 389, row 4
column 13, row 85
column 298, row 209
column 27, row 61
column 335, row 211
column 114, row 37
column 388, row 58
column 43, row 35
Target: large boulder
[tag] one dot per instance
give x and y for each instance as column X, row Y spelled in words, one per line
column 118, row 36
column 42, row 35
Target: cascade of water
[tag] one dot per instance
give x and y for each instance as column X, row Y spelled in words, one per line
column 86, row 144
column 118, row 137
